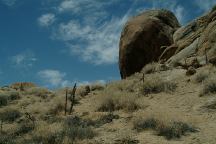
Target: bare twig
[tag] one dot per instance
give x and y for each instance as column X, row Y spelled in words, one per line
column 1, row 126
column 72, row 98
column 206, row 56
column 66, row 98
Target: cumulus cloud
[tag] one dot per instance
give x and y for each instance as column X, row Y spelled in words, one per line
column 25, row 59
column 46, row 19
column 53, row 78
column 205, row 5
column 9, row 2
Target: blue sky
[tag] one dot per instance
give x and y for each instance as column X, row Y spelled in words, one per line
column 55, row 43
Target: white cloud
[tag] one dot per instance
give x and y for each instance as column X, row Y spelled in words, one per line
column 9, row 2
column 53, row 78
column 25, row 59
column 94, row 38
column 92, row 31
column 205, row 5
column 46, row 19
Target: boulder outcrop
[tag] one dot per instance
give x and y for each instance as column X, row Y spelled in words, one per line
column 156, row 35
column 143, row 38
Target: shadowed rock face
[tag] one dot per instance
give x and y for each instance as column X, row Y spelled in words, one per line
column 142, row 38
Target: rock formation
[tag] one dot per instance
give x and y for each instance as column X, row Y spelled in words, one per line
column 142, row 39
column 155, row 35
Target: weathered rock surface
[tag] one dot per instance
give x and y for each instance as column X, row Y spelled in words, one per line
column 197, row 40
column 142, row 39
column 155, row 36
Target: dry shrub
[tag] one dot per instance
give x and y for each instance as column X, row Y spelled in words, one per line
column 155, row 84
column 6, row 97
column 38, row 91
column 118, row 100
column 209, row 87
column 150, row 68
column 10, row 115
column 170, row 129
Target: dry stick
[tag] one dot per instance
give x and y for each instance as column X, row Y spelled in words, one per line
column 1, row 126
column 206, row 57
column 72, row 98
column 143, row 77
column 66, row 98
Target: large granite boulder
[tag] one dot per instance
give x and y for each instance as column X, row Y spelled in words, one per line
column 143, row 39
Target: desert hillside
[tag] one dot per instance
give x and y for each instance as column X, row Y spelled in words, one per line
column 159, row 105
column 168, row 98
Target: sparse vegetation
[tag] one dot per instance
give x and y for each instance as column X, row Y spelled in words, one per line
column 150, row 68
column 118, row 101
column 209, row 87
column 127, row 140
column 75, row 128
column 10, row 115
column 201, row 76
column 3, row 100
column 156, row 85
column 169, row 130
column 38, row 91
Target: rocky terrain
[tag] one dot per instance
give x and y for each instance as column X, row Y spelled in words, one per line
column 166, row 96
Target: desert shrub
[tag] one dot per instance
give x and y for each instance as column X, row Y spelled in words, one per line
column 83, row 90
column 157, row 85
column 13, row 95
column 24, row 128
column 117, row 101
column 56, row 108
column 107, row 105
column 108, row 118
column 7, row 139
column 201, row 76
column 98, row 87
column 51, row 138
column 150, row 68
column 174, row 130
column 209, row 87
column 76, row 128
column 170, row 130
column 38, row 91
column 126, row 140
column 10, row 115
column 149, row 123
column 3, row 100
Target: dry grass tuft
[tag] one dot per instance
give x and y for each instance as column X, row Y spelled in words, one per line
column 209, row 87
column 117, row 101
column 155, row 84
column 170, row 130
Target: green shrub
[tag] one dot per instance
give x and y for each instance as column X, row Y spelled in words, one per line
column 10, row 115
